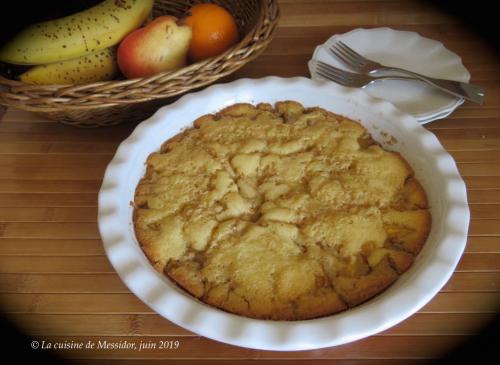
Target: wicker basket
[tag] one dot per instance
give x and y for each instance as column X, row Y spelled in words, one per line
column 112, row 102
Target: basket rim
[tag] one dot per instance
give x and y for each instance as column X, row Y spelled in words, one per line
column 22, row 95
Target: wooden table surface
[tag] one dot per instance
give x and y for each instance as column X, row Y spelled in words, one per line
column 57, row 285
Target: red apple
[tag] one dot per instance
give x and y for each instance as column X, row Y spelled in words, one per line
column 161, row 45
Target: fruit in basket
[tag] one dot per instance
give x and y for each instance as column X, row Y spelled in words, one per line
column 160, row 46
column 91, row 30
column 214, row 31
column 96, row 66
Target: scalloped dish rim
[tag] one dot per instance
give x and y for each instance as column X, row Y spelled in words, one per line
column 433, row 267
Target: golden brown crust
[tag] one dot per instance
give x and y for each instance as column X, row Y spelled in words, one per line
column 414, row 195
column 408, row 229
column 359, row 289
column 188, row 276
column 280, row 212
column 203, row 119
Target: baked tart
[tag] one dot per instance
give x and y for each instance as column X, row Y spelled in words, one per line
column 280, row 212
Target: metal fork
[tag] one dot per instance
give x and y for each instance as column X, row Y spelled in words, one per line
column 365, row 66
column 350, row 79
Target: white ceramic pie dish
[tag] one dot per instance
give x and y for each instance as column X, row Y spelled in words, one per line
column 434, row 168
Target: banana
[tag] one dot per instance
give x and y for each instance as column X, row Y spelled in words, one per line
column 91, row 30
column 97, row 66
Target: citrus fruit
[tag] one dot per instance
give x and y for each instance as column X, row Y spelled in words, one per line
column 214, row 31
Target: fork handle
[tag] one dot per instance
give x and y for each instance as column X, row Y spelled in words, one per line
column 470, row 92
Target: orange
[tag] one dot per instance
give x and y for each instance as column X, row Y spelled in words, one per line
column 214, row 31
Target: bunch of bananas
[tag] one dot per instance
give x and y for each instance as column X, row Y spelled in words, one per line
column 79, row 48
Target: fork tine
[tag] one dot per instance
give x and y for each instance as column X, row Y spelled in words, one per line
column 328, row 68
column 331, row 69
column 351, row 52
column 345, row 57
column 333, row 73
column 331, row 77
